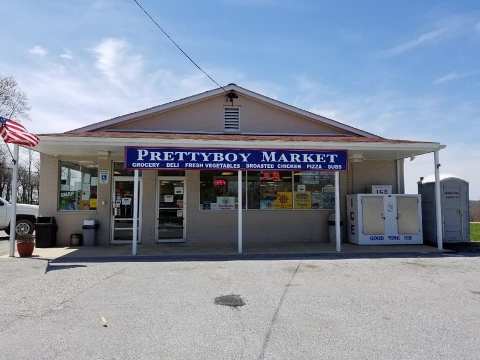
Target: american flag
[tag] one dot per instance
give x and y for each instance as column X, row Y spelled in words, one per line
column 15, row 133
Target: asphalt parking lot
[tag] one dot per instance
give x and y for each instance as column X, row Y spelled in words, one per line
column 401, row 308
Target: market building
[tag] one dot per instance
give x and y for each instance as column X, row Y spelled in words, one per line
column 227, row 168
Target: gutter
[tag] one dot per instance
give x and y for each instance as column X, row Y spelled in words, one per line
column 281, row 144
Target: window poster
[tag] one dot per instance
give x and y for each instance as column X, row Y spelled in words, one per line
column 329, row 188
column 93, row 203
column 168, row 198
column 103, row 176
column 303, row 200
column 86, row 195
column 126, row 201
column 178, row 190
column 317, row 200
column 283, row 200
column 225, row 202
column 309, row 179
column 84, row 204
column 86, row 180
column 325, row 200
column 266, row 204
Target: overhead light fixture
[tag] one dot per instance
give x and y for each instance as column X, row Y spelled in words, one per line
column 231, row 95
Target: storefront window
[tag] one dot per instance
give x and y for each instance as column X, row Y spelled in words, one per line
column 269, row 189
column 314, row 190
column 218, row 190
column 78, row 186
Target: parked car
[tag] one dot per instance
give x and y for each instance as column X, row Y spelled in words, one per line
column 26, row 217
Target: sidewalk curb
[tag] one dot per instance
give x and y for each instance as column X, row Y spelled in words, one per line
column 236, row 257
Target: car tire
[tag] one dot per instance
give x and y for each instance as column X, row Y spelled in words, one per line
column 24, row 227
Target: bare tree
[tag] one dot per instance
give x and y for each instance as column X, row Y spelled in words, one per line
column 5, row 173
column 13, row 101
column 14, row 104
column 28, row 177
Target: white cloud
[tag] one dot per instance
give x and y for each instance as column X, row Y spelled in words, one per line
column 112, row 81
column 117, row 63
column 419, row 41
column 446, row 78
column 38, row 50
column 442, row 29
column 66, row 55
column 454, row 76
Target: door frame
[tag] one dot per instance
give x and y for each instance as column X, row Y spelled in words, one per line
column 157, row 208
column 140, row 207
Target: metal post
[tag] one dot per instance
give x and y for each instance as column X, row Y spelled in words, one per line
column 438, row 201
column 338, row 239
column 399, row 165
column 13, row 208
column 135, row 212
column 240, row 214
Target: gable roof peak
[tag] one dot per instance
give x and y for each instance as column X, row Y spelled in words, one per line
column 216, row 92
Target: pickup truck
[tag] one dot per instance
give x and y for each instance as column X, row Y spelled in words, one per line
column 26, row 217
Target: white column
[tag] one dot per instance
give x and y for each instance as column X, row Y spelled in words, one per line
column 438, row 201
column 240, row 214
column 135, row 212
column 399, row 164
column 13, row 207
column 338, row 243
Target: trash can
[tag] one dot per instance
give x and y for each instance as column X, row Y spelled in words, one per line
column 45, row 232
column 331, row 228
column 75, row 239
column 90, row 227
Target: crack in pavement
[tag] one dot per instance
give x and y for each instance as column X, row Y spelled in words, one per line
column 61, row 304
column 268, row 335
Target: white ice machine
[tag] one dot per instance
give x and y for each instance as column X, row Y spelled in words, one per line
column 384, row 219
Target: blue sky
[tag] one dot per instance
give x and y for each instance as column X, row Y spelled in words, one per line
column 401, row 71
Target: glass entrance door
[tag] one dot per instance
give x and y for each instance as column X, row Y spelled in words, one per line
column 171, row 209
column 122, row 212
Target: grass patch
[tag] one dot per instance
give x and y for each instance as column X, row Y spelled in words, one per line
column 475, row 231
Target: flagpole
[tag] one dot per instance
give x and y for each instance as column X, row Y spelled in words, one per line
column 13, row 209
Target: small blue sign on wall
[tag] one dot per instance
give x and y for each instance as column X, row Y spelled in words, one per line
column 145, row 158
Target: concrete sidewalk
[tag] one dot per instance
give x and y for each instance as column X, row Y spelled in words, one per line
column 188, row 251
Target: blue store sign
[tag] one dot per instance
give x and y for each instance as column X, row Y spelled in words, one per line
column 234, row 159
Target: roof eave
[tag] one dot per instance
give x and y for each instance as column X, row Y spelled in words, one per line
column 66, row 140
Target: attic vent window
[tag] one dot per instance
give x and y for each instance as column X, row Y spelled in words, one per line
column 232, row 118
